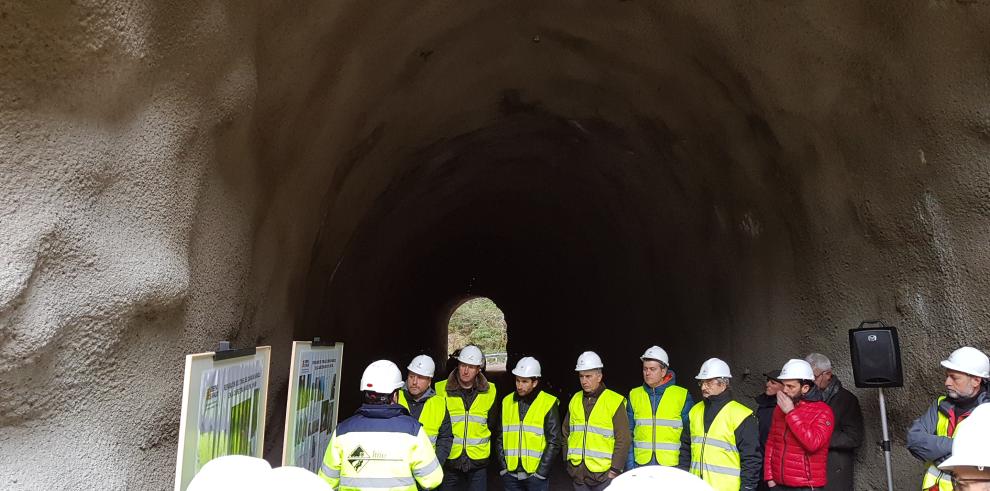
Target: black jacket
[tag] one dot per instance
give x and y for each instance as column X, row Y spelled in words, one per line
column 764, row 414
column 846, row 438
column 551, row 428
column 747, row 441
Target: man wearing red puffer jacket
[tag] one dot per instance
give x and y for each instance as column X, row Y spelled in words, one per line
column 797, row 448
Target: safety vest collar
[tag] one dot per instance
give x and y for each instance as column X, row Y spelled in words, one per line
column 453, row 384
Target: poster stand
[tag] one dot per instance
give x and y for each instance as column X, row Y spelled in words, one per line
column 312, row 402
column 224, row 400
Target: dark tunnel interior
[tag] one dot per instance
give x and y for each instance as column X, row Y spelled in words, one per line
column 588, row 237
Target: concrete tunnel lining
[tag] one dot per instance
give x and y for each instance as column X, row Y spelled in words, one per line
column 690, row 175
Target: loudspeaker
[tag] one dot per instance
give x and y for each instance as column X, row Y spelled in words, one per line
column 876, row 357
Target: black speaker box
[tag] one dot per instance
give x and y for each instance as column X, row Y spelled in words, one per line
column 876, row 357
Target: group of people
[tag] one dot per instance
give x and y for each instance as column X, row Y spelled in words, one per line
column 413, row 434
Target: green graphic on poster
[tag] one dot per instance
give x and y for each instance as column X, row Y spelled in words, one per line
column 311, row 409
column 228, row 419
column 224, row 399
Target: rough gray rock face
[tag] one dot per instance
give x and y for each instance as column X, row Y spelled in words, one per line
column 735, row 180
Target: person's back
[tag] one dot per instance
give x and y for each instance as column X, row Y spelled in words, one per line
column 381, row 446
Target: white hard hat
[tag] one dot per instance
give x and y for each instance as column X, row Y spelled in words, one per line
column 657, row 477
column 713, row 368
column 796, row 369
column 527, row 367
column 969, row 446
column 296, row 479
column 656, row 353
column 471, row 355
column 231, row 473
column 589, row 360
column 243, row 473
column 422, row 365
column 968, row 360
column 382, row 377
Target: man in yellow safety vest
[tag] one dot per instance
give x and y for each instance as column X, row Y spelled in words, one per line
column 530, row 435
column 426, row 406
column 930, row 437
column 725, row 436
column 596, row 429
column 381, row 446
column 474, row 418
column 658, row 414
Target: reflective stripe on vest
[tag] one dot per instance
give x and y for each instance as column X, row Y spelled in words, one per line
column 658, row 434
column 934, row 476
column 524, row 440
column 592, row 440
column 377, row 482
column 714, row 455
column 434, row 409
column 470, row 426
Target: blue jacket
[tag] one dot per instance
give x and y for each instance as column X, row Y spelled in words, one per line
column 684, row 461
column 391, row 418
column 381, row 446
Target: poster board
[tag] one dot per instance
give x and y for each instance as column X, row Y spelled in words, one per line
column 224, row 403
column 312, row 403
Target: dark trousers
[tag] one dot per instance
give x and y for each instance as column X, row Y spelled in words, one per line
column 595, row 487
column 788, row 488
column 455, row 480
column 531, row 483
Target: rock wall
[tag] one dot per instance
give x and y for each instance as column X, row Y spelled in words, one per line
column 728, row 179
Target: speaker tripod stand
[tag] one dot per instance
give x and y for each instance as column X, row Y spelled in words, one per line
column 876, row 359
column 885, row 443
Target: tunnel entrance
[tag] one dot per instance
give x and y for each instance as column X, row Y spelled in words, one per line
column 480, row 322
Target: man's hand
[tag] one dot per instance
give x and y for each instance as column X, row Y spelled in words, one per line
column 771, row 484
column 785, row 403
column 612, row 474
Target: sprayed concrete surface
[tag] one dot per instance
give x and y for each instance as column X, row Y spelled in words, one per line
column 738, row 180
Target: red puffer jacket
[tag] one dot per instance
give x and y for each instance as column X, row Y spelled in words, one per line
column 797, row 448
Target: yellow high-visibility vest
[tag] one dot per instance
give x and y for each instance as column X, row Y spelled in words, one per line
column 386, row 460
column 432, row 416
column 714, row 455
column 525, row 440
column 933, row 475
column 592, row 438
column 658, row 434
column 470, row 425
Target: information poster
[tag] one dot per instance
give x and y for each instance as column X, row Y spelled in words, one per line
column 311, row 409
column 223, row 410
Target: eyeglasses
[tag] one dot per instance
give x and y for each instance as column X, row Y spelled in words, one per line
column 711, row 381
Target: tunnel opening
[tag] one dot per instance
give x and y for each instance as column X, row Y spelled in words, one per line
column 594, row 236
column 479, row 321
